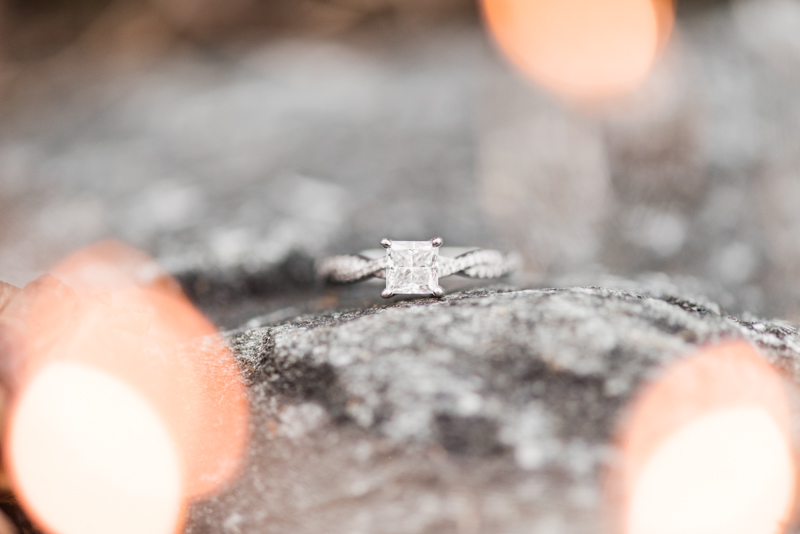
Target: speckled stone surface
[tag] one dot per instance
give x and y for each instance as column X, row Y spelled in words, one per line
column 489, row 411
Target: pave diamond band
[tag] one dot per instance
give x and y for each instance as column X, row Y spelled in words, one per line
column 414, row 267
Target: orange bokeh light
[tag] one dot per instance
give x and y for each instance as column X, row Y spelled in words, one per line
column 584, row 50
column 74, row 478
column 109, row 332
column 707, row 449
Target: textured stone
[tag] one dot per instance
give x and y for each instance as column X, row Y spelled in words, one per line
column 487, row 411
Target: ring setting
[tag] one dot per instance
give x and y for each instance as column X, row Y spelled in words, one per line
column 414, row 267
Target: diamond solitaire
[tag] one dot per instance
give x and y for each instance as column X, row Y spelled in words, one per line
column 412, row 267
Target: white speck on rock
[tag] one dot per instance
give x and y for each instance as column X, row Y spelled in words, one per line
column 298, row 421
column 735, row 263
column 233, row 522
column 662, row 232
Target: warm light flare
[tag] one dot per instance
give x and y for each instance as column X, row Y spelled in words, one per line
column 91, row 456
column 126, row 400
column 585, row 50
column 707, row 449
column 704, row 479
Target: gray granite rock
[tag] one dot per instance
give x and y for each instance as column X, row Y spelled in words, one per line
column 488, row 411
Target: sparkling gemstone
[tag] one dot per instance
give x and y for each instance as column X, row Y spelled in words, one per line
column 412, row 268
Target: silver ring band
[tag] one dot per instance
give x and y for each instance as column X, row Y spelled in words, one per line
column 445, row 261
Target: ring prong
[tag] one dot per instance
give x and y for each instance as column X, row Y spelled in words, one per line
column 438, row 292
column 387, row 293
column 437, row 241
column 386, row 243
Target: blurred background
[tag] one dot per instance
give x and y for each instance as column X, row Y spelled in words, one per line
column 238, row 140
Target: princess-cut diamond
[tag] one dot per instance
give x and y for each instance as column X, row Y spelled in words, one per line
column 412, row 268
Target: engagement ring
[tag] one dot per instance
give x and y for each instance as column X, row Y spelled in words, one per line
column 414, row 267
